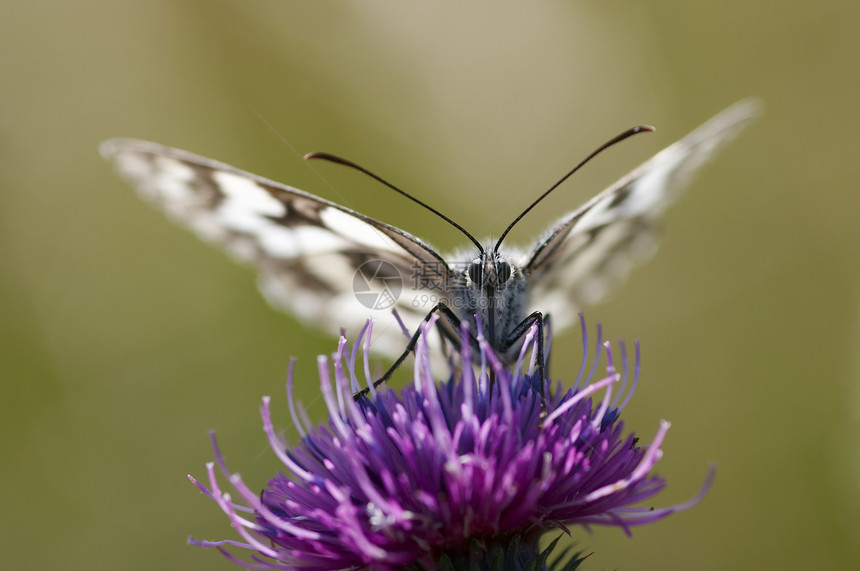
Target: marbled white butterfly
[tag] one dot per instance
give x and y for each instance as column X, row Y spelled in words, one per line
column 307, row 249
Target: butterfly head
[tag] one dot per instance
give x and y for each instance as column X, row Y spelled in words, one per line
column 489, row 272
column 490, row 286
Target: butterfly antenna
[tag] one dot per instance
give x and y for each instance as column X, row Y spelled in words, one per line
column 600, row 149
column 344, row 162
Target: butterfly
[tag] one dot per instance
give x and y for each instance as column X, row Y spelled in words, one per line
column 332, row 266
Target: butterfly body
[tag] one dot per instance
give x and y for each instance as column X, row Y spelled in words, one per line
column 489, row 287
column 310, row 252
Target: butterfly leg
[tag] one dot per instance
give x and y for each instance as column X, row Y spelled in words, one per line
column 518, row 332
column 410, row 347
column 547, row 327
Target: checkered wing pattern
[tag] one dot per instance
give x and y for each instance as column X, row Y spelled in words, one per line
column 587, row 252
column 307, row 249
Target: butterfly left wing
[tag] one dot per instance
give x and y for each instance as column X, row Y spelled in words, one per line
column 306, row 249
column 578, row 261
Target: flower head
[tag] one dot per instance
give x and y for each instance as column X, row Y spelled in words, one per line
column 457, row 470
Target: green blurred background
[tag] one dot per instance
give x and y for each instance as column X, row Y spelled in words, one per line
column 124, row 339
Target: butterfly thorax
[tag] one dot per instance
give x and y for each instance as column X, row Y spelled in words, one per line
column 492, row 287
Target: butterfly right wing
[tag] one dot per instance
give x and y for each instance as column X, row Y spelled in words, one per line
column 307, row 249
column 588, row 251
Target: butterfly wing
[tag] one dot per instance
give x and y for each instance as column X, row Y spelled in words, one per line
column 307, row 249
column 580, row 258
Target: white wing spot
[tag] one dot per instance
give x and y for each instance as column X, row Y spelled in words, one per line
column 598, row 215
column 170, row 184
column 174, row 169
column 653, row 188
column 334, row 270
column 245, row 194
column 356, row 229
column 279, row 241
column 315, row 240
column 133, row 166
column 207, row 227
column 237, row 216
column 282, row 242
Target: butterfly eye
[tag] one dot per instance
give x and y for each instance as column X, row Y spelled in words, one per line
column 476, row 271
column 503, row 272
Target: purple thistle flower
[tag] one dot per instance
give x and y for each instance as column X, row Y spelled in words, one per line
column 458, row 471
